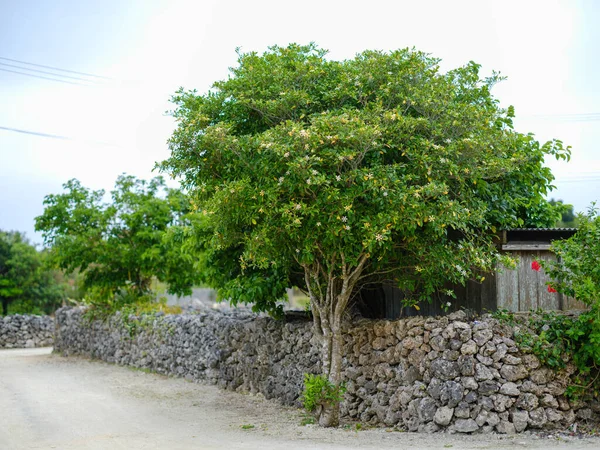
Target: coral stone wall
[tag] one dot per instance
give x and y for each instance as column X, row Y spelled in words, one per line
column 24, row 331
column 421, row 374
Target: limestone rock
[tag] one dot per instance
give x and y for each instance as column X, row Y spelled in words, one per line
column 451, row 394
column 469, row 348
column 510, row 389
column 537, row 418
column 426, row 409
column 465, row 425
column 527, row 401
column 513, row 373
column 482, row 336
column 482, row 373
column 443, row 415
column 520, row 419
column 444, row 369
column 505, row 427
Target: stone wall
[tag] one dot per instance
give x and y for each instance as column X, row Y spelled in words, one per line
column 24, row 331
column 420, row 374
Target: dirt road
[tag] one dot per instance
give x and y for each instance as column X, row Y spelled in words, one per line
column 47, row 401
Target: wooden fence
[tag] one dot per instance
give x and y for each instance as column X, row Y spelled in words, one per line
column 519, row 290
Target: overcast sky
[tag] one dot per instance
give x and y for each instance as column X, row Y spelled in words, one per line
column 549, row 50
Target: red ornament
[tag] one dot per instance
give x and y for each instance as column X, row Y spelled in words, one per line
column 551, row 289
column 536, row 266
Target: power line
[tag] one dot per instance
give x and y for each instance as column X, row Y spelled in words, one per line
column 49, row 73
column 56, row 68
column 35, row 133
column 56, row 136
column 45, row 78
column 580, row 180
column 577, row 117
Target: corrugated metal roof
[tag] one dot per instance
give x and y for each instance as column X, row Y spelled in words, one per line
column 541, row 229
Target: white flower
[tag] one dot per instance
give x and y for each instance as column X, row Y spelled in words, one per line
column 448, row 304
column 347, row 227
column 298, row 206
column 308, row 181
column 286, row 155
column 385, row 194
column 344, row 219
column 232, row 190
column 281, row 180
column 297, row 250
column 314, row 172
column 378, row 237
column 303, row 133
column 448, row 141
column 338, row 178
column 318, row 224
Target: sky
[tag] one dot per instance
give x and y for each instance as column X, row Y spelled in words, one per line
column 145, row 49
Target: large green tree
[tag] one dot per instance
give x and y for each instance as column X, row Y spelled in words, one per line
column 349, row 172
column 27, row 285
column 118, row 245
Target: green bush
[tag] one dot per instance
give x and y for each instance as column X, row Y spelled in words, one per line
column 556, row 338
column 576, row 272
column 319, row 391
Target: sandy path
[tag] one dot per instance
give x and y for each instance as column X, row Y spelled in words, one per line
column 47, row 401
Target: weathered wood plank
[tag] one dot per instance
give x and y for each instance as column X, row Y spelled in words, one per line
column 488, row 293
column 570, row 303
column 474, row 295
column 528, row 281
column 547, row 300
column 507, row 288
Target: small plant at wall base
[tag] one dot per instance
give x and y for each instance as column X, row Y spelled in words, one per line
column 320, row 393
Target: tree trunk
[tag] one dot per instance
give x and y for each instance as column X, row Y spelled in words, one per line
column 332, row 366
column 329, row 297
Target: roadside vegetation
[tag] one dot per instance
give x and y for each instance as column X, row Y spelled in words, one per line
column 120, row 247
column 325, row 175
column 557, row 338
column 28, row 283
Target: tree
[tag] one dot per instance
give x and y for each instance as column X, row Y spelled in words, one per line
column 18, row 264
column 378, row 167
column 26, row 284
column 118, row 246
column 567, row 216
